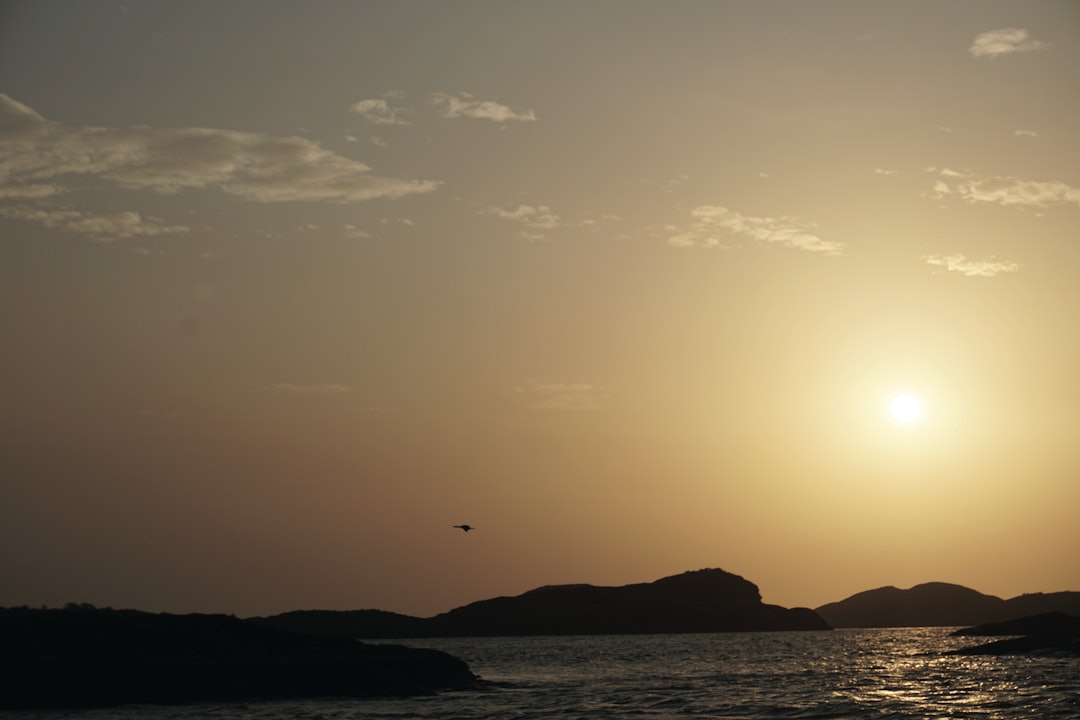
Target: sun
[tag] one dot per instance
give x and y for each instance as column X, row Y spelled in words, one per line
column 905, row 408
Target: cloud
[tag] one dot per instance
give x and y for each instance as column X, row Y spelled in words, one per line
column 465, row 105
column 352, row 232
column 603, row 218
column 292, row 389
column 1025, row 133
column 558, row 396
column 106, row 228
column 972, row 268
column 1004, row 190
column 671, row 185
column 1004, row 42
column 712, row 225
column 537, row 216
column 379, row 111
column 29, row 192
column 882, row 171
column 254, row 166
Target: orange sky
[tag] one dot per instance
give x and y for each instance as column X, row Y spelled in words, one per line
column 289, row 289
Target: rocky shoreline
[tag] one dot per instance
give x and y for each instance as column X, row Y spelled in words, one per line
column 84, row 657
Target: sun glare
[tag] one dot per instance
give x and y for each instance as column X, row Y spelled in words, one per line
column 905, row 408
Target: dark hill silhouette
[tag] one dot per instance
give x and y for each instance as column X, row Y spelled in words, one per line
column 939, row 604
column 1038, row 603
column 702, row 601
column 350, row 623
column 84, row 657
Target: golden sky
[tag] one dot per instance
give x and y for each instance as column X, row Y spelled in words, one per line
column 288, row 289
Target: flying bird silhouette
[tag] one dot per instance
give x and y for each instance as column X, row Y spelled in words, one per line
column 466, row 528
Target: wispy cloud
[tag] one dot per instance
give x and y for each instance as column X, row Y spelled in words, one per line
column 1025, row 133
column 883, row 171
column 559, row 396
column 105, row 228
column 671, row 185
column 973, row 268
column 536, row 216
column 29, row 192
column 293, row 389
column 713, row 225
column 465, row 105
column 353, row 232
column 977, row 188
column 1005, row 41
column 253, row 166
column 603, row 218
column 380, row 111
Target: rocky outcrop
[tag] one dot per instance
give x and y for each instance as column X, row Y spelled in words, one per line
column 1053, row 633
column 708, row 600
column 939, row 604
column 1043, row 624
column 86, row 657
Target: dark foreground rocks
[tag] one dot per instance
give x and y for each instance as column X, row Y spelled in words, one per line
column 1052, row 633
column 82, row 657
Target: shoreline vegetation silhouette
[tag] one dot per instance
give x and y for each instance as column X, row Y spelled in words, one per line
column 81, row 656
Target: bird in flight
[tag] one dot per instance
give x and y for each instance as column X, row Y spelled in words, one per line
column 466, row 528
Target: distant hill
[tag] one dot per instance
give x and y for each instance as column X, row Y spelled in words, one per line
column 939, row 604
column 85, row 657
column 708, row 600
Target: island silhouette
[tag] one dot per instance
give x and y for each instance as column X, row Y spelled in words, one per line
column 708, row 600
column 938, row 604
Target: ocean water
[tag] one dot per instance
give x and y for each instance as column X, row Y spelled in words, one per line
column 894, row 673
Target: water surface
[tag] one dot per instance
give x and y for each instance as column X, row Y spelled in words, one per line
column 893, row 673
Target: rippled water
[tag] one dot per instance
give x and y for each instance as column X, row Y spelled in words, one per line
column 896, row 673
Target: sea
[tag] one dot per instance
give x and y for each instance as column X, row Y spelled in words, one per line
column 878, row 674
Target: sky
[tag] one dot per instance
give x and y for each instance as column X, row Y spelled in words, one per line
column 288, row 289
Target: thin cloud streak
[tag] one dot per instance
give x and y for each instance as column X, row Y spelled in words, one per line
column 467, row 106
column 258, row 167
column 536, row 216
column 713, row 225
column 1001, row 190
column 972, row 268
column 121, row 225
